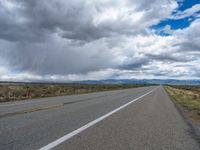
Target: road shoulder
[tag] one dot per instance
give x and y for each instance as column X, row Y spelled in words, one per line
column 194, row 126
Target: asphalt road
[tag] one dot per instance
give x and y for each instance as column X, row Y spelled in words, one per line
column 149, row 121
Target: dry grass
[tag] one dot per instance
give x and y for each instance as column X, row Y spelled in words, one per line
column 11, row 92
column 186, row 96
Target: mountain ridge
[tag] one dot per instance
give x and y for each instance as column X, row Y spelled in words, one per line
column 117, row 81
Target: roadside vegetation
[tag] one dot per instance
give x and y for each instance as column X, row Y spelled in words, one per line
column 11, row 92
column 187, row 97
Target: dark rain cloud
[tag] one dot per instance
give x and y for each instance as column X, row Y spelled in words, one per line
column 75, row 37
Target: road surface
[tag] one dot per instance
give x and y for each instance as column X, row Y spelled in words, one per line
column 139, row 118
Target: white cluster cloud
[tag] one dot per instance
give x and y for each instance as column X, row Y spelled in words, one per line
column 91, row 40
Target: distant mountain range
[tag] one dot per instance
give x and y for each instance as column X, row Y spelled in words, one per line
column 142, row 81
column 125, row 81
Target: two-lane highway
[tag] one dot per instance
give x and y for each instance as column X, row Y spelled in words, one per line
column 140, row 118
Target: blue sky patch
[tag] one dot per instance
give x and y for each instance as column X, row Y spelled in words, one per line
column 183, row 5
column 176, row 24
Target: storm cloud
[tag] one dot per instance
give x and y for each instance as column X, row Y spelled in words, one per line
column 79, row 40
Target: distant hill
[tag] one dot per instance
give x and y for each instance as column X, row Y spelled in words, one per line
column 122, row 81
column 142, row 81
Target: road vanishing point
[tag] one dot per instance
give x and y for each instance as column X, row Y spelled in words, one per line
column 131, row 119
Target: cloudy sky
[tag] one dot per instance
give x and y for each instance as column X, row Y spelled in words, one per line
column 65, row 40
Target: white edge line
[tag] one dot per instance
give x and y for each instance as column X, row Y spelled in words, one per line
column 77, row 131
